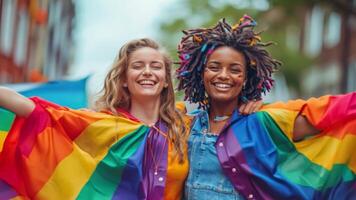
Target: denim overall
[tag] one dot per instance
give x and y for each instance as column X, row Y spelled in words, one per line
column 206, row 179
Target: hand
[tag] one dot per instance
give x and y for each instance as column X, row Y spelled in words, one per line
column 250, row 107
column 303, row 128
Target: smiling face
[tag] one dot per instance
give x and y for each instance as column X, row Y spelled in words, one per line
column 146, row 73
column 224, row 75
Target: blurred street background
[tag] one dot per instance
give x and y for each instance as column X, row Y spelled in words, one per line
column 47, row 40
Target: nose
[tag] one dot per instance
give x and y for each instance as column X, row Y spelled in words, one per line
column 147, row 70
column 224, row 74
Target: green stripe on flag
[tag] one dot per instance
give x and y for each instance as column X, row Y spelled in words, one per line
column 297, row 167
column 6, row 119
column 107, row 175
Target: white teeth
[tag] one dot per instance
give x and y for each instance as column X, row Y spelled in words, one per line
column 146, row 82
column 222, row 85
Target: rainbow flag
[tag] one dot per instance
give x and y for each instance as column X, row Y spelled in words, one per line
column 59, row 153
column 65, row 93
column 319, row 167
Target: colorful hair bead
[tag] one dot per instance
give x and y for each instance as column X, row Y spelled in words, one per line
column 197, row 39
column 186, row 56
column 236, row 26
column 253, row 63
column 203, row 48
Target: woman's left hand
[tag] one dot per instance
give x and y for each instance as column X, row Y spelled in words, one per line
column 250, row 107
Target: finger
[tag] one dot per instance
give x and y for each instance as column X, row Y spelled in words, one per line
column 248, row 108
column 242, row 107
column 257, row 106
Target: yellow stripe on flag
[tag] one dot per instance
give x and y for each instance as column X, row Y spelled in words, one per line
column 3, row 135
column 88, row 150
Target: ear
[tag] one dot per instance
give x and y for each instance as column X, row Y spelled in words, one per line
column 165, row 85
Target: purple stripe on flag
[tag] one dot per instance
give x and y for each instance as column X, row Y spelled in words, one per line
column 6, row 192
column 155, row 166
column 131, row 176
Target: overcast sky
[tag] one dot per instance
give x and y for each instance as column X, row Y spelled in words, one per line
column 102, row 27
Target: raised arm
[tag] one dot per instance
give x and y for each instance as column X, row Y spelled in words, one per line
column 16, row 103
column 318, row 114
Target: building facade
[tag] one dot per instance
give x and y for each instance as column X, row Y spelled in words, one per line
column 36, row 39
column 329, row 36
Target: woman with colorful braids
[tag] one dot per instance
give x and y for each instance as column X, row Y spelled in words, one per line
column 256, row 156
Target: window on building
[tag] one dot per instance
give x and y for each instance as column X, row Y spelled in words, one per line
column 333, row 28
column 8, row 14
column 314, row 31
column 351, row 81
column 22, row 37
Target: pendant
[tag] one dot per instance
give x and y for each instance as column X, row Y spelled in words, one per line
column 221, row 118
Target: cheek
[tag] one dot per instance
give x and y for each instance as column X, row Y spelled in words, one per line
column 162, row 75
column 130, row 74
column 205, row 78
column 240, row 82
column 130, row 78
column 206, row 84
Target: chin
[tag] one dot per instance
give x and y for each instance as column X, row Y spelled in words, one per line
column 148, row 94
column 223, row 99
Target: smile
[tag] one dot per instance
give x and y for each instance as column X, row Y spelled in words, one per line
column 146, row 82
column 222, row 85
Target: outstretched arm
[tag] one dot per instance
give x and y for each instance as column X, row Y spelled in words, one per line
column 16, row 103
column 318, row 114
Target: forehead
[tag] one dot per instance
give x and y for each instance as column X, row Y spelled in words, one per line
column 146, row 54
column 227, row 54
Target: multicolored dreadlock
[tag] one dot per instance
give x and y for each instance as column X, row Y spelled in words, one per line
column 198, row 44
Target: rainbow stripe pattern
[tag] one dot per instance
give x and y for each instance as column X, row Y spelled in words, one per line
column 59, row 153
column 276, row 167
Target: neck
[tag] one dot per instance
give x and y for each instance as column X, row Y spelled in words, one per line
column 221, row 109
column 146, row 110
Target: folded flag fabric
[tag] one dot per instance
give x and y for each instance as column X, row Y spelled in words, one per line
column 319, row 167
column 59, row 153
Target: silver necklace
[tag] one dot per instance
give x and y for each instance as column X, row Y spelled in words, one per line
column 221, row 118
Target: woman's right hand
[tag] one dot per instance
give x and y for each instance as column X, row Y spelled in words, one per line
column 250, row 107
column 15, row 102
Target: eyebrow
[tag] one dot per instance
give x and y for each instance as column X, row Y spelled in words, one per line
column 157, row 61
column 137, row 61
column 238, row 64
column 152, row 62
column 217, row 62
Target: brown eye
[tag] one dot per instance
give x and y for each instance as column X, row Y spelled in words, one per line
column 236, row 69
column 213, row 68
